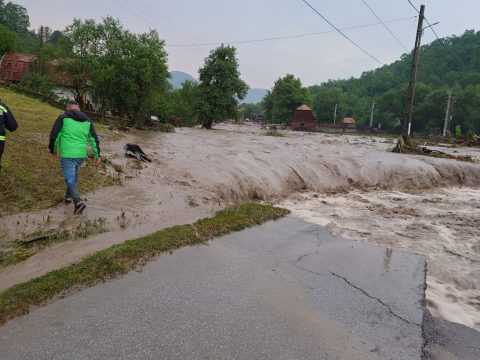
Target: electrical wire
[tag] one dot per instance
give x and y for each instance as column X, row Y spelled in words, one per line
column 429, row 25
column 384, row 25
column 341, row 33
column 290, row 36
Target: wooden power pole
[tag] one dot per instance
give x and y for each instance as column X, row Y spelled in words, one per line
column 335, row 115
column 407, row 124
column 447, row 113
column 371, row 115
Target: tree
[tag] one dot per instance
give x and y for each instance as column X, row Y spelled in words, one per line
column 451, row 63
column 252, row 110
column 14, row 17
column 56, row 37
column 8, row 40
column 286, row 95
column 324, row 101
column 81, row 44
column 220, row 87
column 183, row 102
column 143, row 74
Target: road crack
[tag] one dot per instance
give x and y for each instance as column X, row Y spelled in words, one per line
column 374, row 298
column 331, row 273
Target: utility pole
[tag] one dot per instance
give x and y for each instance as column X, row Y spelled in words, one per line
column 273, row 107
column 447, row 113
column 371, row 115
column 40, row 51
column 407, row 124
column 335, row 115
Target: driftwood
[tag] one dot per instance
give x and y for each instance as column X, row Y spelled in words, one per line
column 406, row 145
column 475, row 141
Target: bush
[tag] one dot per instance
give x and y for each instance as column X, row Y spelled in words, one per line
column 38, row 83
column 470, row 134
column 458, row 132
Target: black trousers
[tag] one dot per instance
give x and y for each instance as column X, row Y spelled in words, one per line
column 2, row 145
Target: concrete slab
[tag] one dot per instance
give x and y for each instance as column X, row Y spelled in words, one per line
column 283, row 290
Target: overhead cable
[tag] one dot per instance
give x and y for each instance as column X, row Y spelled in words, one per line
column 342, row 33
column 384, row 25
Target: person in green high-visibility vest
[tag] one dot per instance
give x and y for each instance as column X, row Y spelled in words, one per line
column 7, row 122
column 70, row 135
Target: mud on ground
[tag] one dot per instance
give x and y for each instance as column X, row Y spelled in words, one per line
column 195, row 172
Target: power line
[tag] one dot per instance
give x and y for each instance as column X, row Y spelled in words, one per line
column 429, row 25
column 341, row 33
column 132, row 8
column 290, row 36
column 384, row 25
column 180, row 37
column 175, row 26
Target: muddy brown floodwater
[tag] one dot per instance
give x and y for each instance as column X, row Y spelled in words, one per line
column 352, row 184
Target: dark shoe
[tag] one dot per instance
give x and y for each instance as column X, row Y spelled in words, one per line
column 67, row 199
column 79, row 207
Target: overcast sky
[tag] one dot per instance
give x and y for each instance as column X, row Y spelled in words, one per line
column 313, row 59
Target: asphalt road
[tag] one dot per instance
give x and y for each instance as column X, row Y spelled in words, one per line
column 283, row 290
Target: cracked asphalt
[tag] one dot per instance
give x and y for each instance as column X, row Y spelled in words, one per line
column 284, row 290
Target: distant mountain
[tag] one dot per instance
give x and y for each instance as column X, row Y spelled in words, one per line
column 178, row 77
column 254, row 96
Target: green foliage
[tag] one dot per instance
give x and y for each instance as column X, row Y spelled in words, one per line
column 14, row 17
column 183, row 101
column 324, row 101
column 458, row 132
column 470, row 134
column 125, row 72
column 251, row 110
column 36, row 82
column 452, row 63
column 8, row 40
column 286, row 95
column 220, row 87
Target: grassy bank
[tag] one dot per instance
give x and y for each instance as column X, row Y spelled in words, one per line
column 29, row 179
column 119, row 259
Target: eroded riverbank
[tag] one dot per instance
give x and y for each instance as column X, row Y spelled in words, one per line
column 195, row 172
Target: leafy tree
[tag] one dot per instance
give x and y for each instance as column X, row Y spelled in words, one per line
column 56, row 37
column 452, row 63
column 324, row 101
column 143, row 74
column 220, row 87
column 8, row 40
column 286, row 95
column 81, row 43
column 183, row 102
column 251, row 110
column 14, row 17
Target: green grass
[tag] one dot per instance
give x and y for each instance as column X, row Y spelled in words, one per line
column 29, row 180
column 119, row 259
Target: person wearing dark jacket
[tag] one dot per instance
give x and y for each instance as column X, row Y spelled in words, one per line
column 7, row 122
column 70, row 135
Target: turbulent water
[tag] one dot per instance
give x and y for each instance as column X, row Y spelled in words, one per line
column 442, row 225
column 352, row 184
